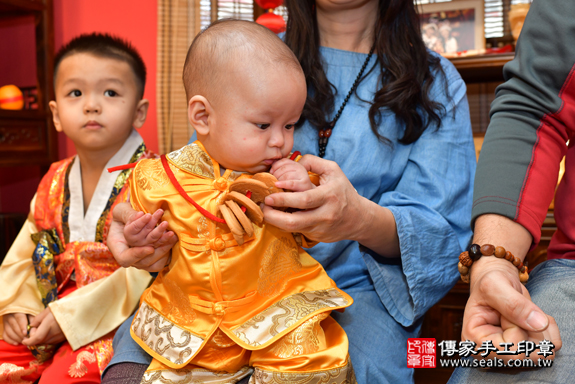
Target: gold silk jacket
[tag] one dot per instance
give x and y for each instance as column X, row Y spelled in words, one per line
column 255, row 293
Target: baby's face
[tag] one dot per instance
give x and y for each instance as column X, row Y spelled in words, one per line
column 254, row 118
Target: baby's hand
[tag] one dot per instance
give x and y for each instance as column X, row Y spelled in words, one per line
column 142, row 230
column 291, row 176
column 15, row 327
column 44, row 330
column 135, row 241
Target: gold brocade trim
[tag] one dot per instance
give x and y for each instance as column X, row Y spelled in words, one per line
column 341, row 375
column 166, row 339
column 221, row 340
column 12, row 374
column 304, row 340
column 194, row 375
column 193, row 159
column 151, row 175
column 280, row 261
column 285, row 313
column 104, row 351
column 66, row 205
column 79, row 369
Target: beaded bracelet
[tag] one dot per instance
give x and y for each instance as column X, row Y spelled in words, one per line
column 475, row 252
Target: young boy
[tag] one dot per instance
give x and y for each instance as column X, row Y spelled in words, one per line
column 63, row 294
column 231, row 303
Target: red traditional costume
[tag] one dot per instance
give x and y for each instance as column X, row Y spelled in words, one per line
column 84, row 287
column 221, row 310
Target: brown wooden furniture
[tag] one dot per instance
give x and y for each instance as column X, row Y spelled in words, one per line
column 27, row 137
column 444, row 320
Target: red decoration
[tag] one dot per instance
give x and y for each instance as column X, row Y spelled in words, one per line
column 274, row 22
column 269, row 4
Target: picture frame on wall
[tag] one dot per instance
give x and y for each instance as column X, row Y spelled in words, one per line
column 454, row 28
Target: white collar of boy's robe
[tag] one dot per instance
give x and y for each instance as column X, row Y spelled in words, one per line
column 83, row 226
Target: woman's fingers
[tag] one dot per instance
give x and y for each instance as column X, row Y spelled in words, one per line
column 310, row 199
column 318, row 165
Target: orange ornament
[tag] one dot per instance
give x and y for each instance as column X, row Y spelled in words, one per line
column 11, row 97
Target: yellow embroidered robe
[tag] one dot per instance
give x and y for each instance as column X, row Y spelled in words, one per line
column 255, row 293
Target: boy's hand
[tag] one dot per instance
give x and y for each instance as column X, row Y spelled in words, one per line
column 44, row 330
column 152, row 256
column 291, row 175
column 15, row 327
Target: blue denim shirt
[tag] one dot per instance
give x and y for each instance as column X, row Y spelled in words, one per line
column 428, row 187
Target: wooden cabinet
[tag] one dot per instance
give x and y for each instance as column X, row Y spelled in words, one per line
column 27, row 137
column 445, row 319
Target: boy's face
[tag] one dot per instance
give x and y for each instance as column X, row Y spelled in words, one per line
column 252, row 122
column 96, row 102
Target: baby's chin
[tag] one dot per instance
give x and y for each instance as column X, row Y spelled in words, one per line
column 257, row 168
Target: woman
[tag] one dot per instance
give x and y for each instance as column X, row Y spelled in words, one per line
column 393, row 208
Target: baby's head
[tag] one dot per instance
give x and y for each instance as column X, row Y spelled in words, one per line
column 99, row 84
column 245, row 90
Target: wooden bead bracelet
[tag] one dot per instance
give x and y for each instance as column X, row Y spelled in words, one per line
column 466, row 259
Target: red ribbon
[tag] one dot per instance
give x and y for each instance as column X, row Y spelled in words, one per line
column 184, row 194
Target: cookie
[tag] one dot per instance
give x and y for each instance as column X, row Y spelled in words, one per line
column 258, row 189
column 233, row 224
column 253, row 211
column 241, row 216
column 269, row 180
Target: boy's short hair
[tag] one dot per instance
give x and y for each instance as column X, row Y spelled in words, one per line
column 105, row 46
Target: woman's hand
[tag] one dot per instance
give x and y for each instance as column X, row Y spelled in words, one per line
column 333, row 211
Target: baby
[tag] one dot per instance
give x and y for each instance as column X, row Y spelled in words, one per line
column 227, row 305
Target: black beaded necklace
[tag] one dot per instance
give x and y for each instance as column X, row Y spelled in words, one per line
column 325, row 133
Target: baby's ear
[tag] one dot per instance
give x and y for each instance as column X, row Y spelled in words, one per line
column 141, row 113
column 55, row 115
column 199, row 110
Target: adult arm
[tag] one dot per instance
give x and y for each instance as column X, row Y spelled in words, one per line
column 499, row 308
column 426, row 214
column 531, row 120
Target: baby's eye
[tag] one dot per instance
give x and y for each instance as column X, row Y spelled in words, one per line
column 75, row 93
column 289, row 126
column 110, row 93
column 263, row 126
